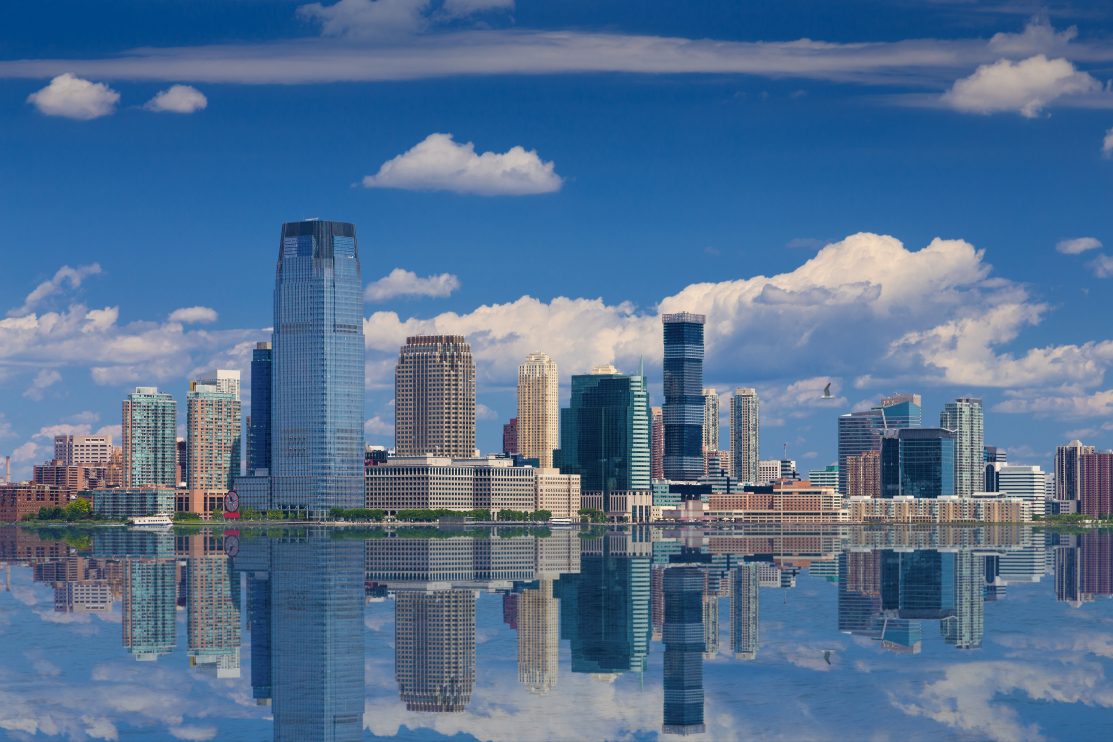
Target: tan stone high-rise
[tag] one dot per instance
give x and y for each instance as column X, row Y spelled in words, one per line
column 434, row 397
column 538, row 409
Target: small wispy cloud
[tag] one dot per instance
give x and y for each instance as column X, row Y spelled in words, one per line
column 177, row 99
column 193, row 315
column 65, row 277
column 1077, row 245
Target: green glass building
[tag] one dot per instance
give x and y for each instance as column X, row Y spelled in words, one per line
column 604, row 433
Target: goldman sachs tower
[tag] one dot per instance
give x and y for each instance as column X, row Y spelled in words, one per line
column 317, row 394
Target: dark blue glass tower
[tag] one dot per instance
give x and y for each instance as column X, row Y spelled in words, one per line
column 683, row 407
column 317, row 392
column 918, row 462
column 259, row 447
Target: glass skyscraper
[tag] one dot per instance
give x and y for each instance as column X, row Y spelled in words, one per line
column 317, row 393
column 259, row 434
column 604, row 432
column 964, row 416
column 683, row 407
column 918, row 462
column 901, row 411
column 149, row 425
column 858, row 432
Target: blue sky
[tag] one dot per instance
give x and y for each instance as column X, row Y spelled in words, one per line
column 692, row 157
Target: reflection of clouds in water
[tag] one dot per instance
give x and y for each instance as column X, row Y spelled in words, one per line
column 964, row 698
column 1082, row 643
column 193, row 733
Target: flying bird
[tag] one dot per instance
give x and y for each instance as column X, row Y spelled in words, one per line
column 827, row 655
column 827, row 392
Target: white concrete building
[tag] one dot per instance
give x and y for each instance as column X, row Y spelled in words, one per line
column 1026, row 482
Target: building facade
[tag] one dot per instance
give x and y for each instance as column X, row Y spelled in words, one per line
column 901, row 411
column 259, row 429
column 683, row 386
column 1027, row 483
column 918, row 462
column 1068, row 477
column 858, row 432
column 745, row 429
column 318, row 371
column 657, row 443
column 129, row 502
column 510, row 437
column 75, row 450
column 434, row 397
column 149, row 427
column 213, row 435
column 863, row 476
column 538, row 408
column 604, row 434
column 710, row 419
column 1096, row 484
column 965, row 417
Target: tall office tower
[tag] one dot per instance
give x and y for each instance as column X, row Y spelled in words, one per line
column 918, row 462
column 745, row 416
column 213, row 435
column 510, row 437
column 683, row 638
column 964, row 416
column 538, row 408
column 1025, row 482
column 317, row 382
column 259, row 429
column 434, row 648
column 538, row 637
column 317, row 651
column 863, row 476
column 434, row 397
column 710, row 419
column 901, row 411
column 604, row 433
column 1095, row 484
column 226, row 381
column 1067, row 470
column 212, row 609
column 683, row 386
column 657, row 444
column 744, row 611
column 80, row 450
column 858, row 432
column 148, row 618
column 995, row 458
column 149, row 435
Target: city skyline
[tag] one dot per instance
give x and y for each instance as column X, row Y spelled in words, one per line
column 777, row 200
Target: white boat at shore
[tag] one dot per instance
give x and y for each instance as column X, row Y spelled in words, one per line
column 151, row 521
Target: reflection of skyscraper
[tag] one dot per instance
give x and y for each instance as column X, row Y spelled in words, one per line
column 434, row 645
column 317, row 637
column 261, row 616
column 966, row 627
column 213, row 615
column 604, row 611
column 684, row 645
column 744, row 612
column 538, row 637
column 148, row 608
column 710, row 617
column 317, row 389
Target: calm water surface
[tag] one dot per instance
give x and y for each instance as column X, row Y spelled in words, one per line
column 325, row 634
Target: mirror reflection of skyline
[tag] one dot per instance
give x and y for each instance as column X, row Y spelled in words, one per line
column 604, row 597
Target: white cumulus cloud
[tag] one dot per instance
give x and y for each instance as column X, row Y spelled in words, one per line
column 74, row 98
column 193, row 315
column 438, row 163
column 177, row 99
column 1025, row 87
column 1077, row 245
column 64, row 277
column 401, row 282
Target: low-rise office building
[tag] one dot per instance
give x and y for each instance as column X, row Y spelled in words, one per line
column 492, row 483
column 785, row 501
column 951, row 509
column 18, row 499
column 129, row 502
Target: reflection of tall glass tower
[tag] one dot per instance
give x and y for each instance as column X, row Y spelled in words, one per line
column 317, row 638
column 683, row 408
column 213, row 616
column 434, row 645
column 538, row 637
column 684, row 643
column 744, row 612
column 148, row 608
column 604, row 612
column 967, row 626
column 317, row 394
